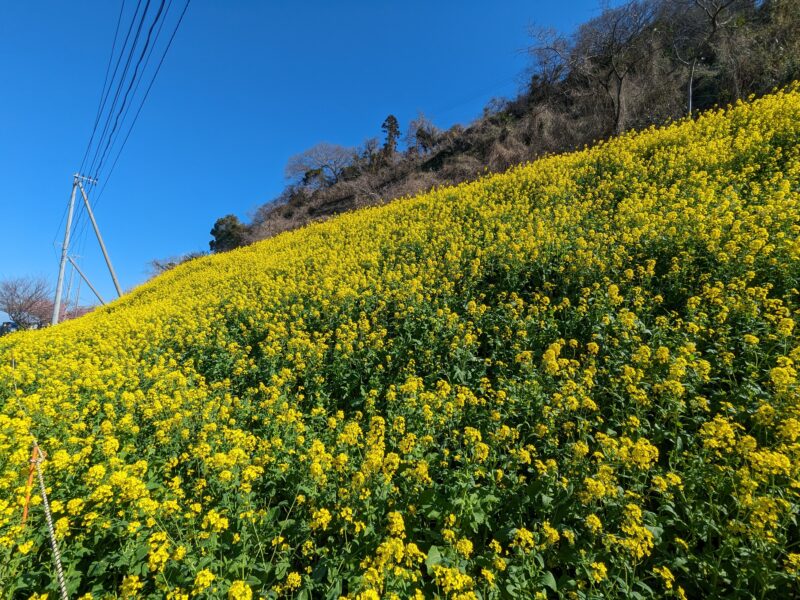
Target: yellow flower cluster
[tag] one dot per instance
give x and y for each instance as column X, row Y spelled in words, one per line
column 578, row 378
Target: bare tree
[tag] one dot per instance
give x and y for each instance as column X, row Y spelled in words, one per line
column 422, row 135
column 724, row 19
column 162, row 265
column 718, row 12
column 320, row 165
column 698, row 29
column 607, row 52
column 550, row 56
column 27, row 301
column 603, row 55
column 369, row 153
column 687, row 48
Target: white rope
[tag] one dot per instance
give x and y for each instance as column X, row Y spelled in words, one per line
column 37, row 461
column 56, row 554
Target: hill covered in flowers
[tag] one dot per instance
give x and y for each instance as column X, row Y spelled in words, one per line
column 576, row 379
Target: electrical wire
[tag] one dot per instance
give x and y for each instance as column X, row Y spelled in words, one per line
column 107, row 93
column 81, row 229
column 146, row 63
column 122, row 80
column 58, row 229
column 118, row 99
column 105, row 83
column 144, row 98
column 139, row 62
column 81, row 223
column 494, row 87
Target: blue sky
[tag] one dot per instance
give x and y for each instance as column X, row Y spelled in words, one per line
column 245, row 85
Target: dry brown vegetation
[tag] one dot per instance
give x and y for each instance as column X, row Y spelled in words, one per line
column 639, row 64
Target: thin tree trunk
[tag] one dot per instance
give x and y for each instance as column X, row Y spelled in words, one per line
column 618, row 107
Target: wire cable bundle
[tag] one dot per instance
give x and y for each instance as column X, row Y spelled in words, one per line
column 123, row 94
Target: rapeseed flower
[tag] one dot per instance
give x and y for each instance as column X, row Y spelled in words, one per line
column 601, row 346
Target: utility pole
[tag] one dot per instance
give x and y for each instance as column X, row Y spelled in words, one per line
column 97, row 232
column 64, row 249
column 77, row 184
column 86, row 279
column 77, row 301
column 68, row 295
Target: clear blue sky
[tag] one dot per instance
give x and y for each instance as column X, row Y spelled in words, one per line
column 245, row 85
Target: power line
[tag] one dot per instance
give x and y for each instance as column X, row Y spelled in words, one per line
column 114, row 74
column 122, row 79
column 82, row 226
column 144, row 98
column 146, row 62
column 115, row 115
column 142, row 55
column 105, row 82
column 81, row 222
column 59, row 229
column 139, row 80
column 494, row 87
column 81, row 231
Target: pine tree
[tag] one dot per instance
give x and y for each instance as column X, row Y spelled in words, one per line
column 392, row 128
column 229, row 233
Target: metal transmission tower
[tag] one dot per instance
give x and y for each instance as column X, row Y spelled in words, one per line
column 77, row 184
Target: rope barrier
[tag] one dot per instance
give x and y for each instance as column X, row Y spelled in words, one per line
column 49, row 517
column 37, row 457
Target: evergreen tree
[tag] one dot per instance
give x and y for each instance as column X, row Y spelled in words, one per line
column 392, row 128
column 229, row 233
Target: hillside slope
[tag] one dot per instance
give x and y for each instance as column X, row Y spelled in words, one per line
column 670, row 58
column 576, row 379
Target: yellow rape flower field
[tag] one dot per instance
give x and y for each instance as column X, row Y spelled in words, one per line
column 577, row 379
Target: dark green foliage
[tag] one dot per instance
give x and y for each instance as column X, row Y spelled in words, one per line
column 392, row 129
column 229, row 233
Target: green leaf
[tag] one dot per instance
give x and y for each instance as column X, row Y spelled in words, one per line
column 655, row 530
column 281, row 568
column 336, row 591
column 434, row 558
column 548, row 580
